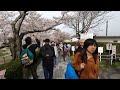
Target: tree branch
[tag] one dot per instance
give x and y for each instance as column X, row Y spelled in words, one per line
column 15, row 21
column 27, row 32
column 3, row 46
column 23, row 14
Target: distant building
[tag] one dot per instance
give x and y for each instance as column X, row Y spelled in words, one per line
column 82, row 36
column 107, row 38
column 74, row 39
column 104, row 38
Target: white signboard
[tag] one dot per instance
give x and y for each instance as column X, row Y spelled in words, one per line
column 109, row 46
column 100, row 49
column 74, row 39
column 86, row 36
column 114, row 49
column 73, row 48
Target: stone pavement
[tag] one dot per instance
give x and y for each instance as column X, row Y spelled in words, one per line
column 59, row 71
column 110, row 73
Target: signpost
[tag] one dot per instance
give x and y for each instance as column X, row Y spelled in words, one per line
column 113, row 55
column 109, row 48
column 114, row 49
column 100, row 50
column 74, row 39
column 73, row 49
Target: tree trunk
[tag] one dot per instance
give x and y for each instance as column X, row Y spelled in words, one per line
column 12, row 45
column 15, row 47
column 18, row 47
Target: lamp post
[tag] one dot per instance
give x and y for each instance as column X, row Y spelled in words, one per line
column 106, row 28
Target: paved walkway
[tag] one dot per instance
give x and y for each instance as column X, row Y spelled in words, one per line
column 110, row 73
column 60, row 69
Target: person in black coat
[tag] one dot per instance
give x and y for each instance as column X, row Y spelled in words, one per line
column 47, row 53
column 33, row 67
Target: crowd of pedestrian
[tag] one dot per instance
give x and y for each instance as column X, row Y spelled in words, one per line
column 85, row 60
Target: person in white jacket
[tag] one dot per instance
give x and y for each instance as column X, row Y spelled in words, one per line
column 56, row 50
column 53, row 44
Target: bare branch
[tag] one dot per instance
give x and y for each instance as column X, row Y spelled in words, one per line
column 3, row 46
column 49, row 28
column 82, row 21
column 15, row 21
column 23, row 14
column 27, row 32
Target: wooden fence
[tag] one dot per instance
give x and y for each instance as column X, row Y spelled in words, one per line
column 110, row 58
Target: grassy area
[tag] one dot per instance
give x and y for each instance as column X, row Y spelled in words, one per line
column 5, row 55
column 105, row 64
column 116, row 64
column 0, row 53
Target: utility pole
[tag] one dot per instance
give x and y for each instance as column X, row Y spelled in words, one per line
column 106, row 28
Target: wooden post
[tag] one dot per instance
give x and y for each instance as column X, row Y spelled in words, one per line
column 100, row 57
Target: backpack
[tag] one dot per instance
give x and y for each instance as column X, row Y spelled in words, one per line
column 70, row 72
column 27, row 56
column 47, row 52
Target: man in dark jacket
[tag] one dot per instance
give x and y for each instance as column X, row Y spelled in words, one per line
column 33, row 67
column 47, row 54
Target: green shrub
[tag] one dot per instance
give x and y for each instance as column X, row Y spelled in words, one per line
column 13, row 69
column 104, row 64
column 116, row 64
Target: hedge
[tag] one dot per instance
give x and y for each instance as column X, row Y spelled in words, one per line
column 13, row 69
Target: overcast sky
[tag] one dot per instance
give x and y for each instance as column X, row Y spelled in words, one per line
column 113, row 24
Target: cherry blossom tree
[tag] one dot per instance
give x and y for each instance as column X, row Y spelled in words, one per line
column 59, row 36
column 24, row 23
